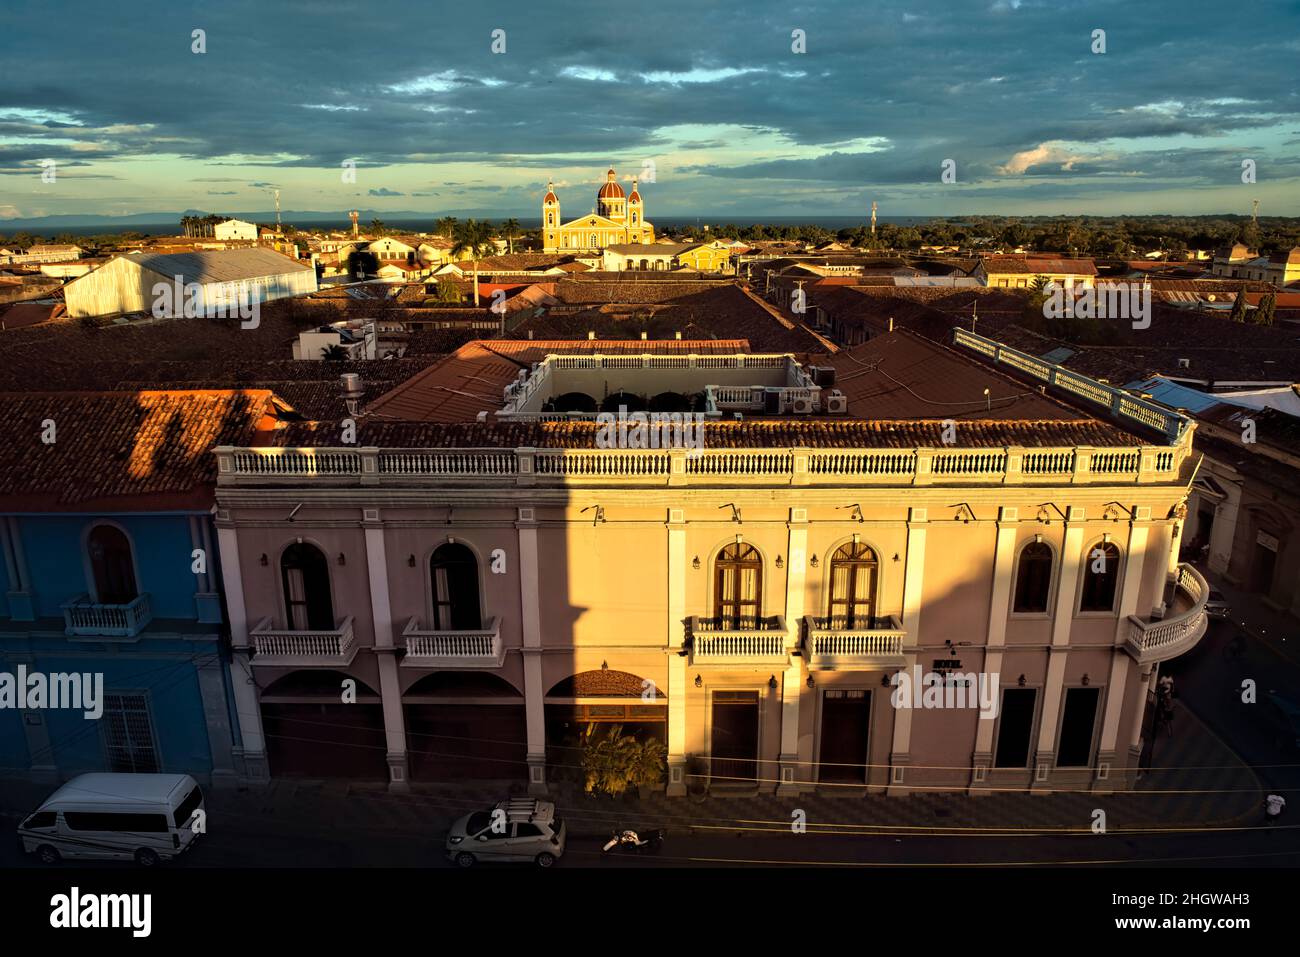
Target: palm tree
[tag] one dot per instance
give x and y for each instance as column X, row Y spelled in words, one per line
column 334, row 353
column 511, row 229
column 472, row 237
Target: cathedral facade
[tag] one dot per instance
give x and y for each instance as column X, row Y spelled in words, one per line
column 616, row 220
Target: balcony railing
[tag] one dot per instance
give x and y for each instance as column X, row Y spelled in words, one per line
column 853, row 644
column 896, row 467
column 447, row 648
column 321, row 648
column 738, row 641
column 1164, row 638
column 85, row 617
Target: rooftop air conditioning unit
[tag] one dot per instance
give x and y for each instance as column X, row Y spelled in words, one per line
column 802, row 405
column 837, row 403
column 1184, row 363
column 824, row 376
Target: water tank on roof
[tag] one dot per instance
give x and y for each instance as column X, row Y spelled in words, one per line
column 824, row 376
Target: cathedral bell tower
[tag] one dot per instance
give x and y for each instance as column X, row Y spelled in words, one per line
column 550, row 219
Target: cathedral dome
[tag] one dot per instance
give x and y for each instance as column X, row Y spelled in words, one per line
column 611, row 189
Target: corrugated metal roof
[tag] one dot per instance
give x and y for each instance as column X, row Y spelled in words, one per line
column 227, row 265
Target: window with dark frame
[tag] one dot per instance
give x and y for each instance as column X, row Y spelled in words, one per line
column 308, row 605
column 1015, row 728
column 738, row 590
column 854, row 571
column 1078, row 720
column 1033, row 578
column 1100, row 578
column 453, row 575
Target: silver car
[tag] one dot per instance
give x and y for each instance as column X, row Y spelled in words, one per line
column 519, row 829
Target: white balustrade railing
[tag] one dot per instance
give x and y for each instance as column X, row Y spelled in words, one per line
column 81, row 616
column 1164, row 638
column 840, row 642
column 433, row 646
column 731, row 640
column 333, row 646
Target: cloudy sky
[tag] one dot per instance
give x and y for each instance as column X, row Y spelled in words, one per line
column 710, row 97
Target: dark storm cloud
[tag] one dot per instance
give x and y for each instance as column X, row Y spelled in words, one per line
column 299, row 84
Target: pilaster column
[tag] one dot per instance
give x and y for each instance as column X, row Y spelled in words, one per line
column 1004, row 560
column 216, row 714
column 390, row 685
column 673, row 642
column 913, row 575
column 251, row 753
column 1067, row 587
column 19, row 596
column 530, row 617
column 1134, row 560
column 792, row 686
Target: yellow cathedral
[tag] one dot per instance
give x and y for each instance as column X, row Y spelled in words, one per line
column 616, row 220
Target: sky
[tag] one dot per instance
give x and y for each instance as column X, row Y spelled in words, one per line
column 722, row 110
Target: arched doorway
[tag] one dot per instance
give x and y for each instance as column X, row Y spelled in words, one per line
column 465, row 726
column 112, row 566
column 593, row 704
column 311, row 733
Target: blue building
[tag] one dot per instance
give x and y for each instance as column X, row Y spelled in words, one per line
column 110, row 572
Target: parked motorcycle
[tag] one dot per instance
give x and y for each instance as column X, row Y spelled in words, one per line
column 630, row 842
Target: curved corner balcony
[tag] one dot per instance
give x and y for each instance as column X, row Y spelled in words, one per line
column 739, row 641
column 311, row 648
column 1163, row 638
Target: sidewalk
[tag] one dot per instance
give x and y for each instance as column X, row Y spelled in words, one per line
column 1196, row 782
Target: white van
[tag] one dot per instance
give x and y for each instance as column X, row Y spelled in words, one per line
column 114, row 817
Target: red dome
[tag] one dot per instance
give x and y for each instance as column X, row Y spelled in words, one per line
column 611, row 189
column 550, row 198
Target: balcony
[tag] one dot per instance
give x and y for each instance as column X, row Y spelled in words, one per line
column 846, row 644
column 445, row 648
column 333, row 648
column 87, row 618
column 739, row 642
column 1163, row 638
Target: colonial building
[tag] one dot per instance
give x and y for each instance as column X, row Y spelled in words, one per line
column 615, row 220
column 811, row 595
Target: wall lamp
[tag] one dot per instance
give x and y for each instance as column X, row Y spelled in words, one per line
column 265, row 561
column 735, row 512
column 813, row 561
column 771, row 683
column 884, row 680
column 964, row 512
column 1021, row 681
column 1085, row 680
column 342, row 560
column 410, row 561
column 1045, row 516
column 855, row 515
column 695, row 563
column 450, row 512
column 699, row 682
column 598, row 517
column 779, row 563
column 1111, row 510
column 811, row 682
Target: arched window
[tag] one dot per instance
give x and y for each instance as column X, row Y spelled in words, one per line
column 853, row 586
column 306, row 578
column 738, row 585
column 453, row 575
column 1100, row 576
column 1033, row 578
column 111, row 565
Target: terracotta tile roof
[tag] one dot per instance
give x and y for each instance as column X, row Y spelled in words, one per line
column 1035, row 266
column 23, row 314
column 901, row 375
column 122, row 450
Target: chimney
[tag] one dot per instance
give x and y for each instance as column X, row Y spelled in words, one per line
column 353, row 390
